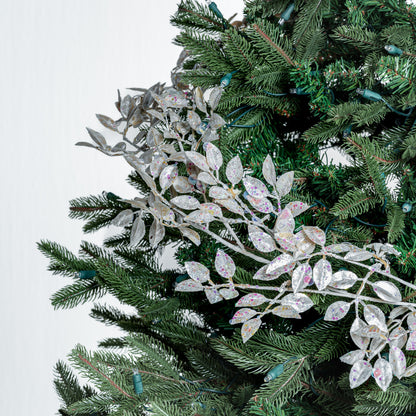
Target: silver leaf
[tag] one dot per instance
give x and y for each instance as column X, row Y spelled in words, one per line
column 322, row 274
column 252, row 299
column 337, row 311
column 280, row 261
column 411, row 343
column 375, row 316
column 213, row 295
column 231, row 205
column 191, row 234
column 297, row 207
column 182, row 185
column 97, row 137
column 352, row 357
column 197, row 271
column 214, row 156
column 138, row 231
column 186, row 202
column 261, row 240
column 261, row 204
column 262, row 274
column 107, row 122
column 157, row 165
column 193, row 119
column 360, row 373
column 156, row 114
column 167, row 176
column 410, row 371
column 189, row 286
column 387, row 291
column 199, row 217
column 355, row 331
column 214, row 97
column 124, row 218
column 198, row 159
column 249, row 328
column 397, row 360
column 315, row 234
column 199, row 100
column 343, row 279
column 286, row 311
column 228, row 293
column 255, row 187
column 207, row 178
column 284, row 183
column 298, row 301
column 211, row 209
column 126, row 106
column 285, row 222
column 382, row 373
column 243, row 315
column 216, row 121
column 234, row 170
column 399, row 310
column 224, row 265
column 301, row 277
column 398, row 337
column 411, row 321
column 156, row 233
column 359, row 255
column 376, row 346
column 216, row 192
column 269, row 171
column 339, row 247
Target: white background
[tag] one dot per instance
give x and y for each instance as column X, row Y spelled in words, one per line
column 62, row 62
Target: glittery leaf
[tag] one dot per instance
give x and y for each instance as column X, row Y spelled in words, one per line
column 376, row 346
column 156, row 233
column 216, row 192
column 207, row 178
column 199, row 217
column 375, row 316
column 322, row 274
column 249, row 328
column 198, row 159
column 189, row 286
column 216, row 121
column 360, row 373
column 315, row 234
column 181, row 185
column 261, row 204
column 214, row 156
column 411, row 321
column 356, row 328
column 261, row 240
column 243, row 315
column 107, row 122
column 337, row 311
column 352, row 357
column 284, row 183
column 193, row 119
column 234, row 170
column 359, row 255
column 279, row 262
column 304, row 246
column 297, row 207
column 397, row 360
column 286, row 240
column 269, row 171
column 211, row 209
column 262, row 274
column 398, row 337
column 285, row 222
column 191, row 234
column 213, row 295
column 229, row 293
column 301, row 277
column 186, row 202
column 411, row 343
column 197, row 271
column 138, row 230
column 252, row 299
column 286, row 311
column 399, row 310
column 298, row 301
column 387, row 291
column 199, row 100
column 382, row 373
column 410, row 371
column 343, row 279
column 231, row 205
column 255, row 187
column 339, row 247
column 372, row 331
column 224, row 264
column 167, row 176
column 214, row 97
column 124, row 218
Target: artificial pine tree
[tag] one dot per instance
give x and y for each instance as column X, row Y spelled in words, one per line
column 298, row 79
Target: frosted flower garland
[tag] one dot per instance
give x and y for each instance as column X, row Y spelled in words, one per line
column 195, row 201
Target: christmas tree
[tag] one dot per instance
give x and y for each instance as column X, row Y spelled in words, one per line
column 231, row 167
